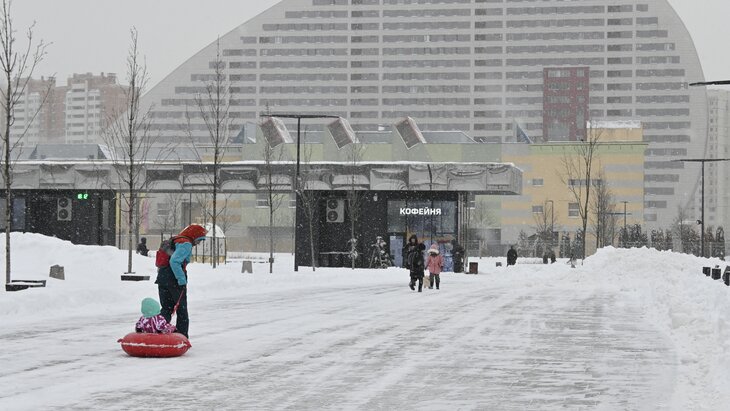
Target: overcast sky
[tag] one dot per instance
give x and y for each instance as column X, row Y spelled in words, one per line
column 93, row 35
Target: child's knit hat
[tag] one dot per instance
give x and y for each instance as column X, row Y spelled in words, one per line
column 434, row 249
column 150, row 307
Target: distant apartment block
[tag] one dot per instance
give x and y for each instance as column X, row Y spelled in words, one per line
column 74, row 113
column 717, row 186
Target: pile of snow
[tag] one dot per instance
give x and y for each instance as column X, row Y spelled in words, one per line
column 93, row 283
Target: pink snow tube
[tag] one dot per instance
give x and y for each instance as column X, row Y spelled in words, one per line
column 154, row 345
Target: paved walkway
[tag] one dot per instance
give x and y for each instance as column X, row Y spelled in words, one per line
column 380, row 346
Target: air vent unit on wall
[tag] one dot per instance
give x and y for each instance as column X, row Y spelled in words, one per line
column 335, row 210
column 63, row 209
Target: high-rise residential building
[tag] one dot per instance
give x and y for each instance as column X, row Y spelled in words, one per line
column 565, row 103
column 74, row 113
column 36, row 115
column 717, row 187
column 89, row 101
column 477, row 66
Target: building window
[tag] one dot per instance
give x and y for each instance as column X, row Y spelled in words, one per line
column 573, row 210
column 538, row 182
column 163, row 210
column 537, row 209
column 262, row 200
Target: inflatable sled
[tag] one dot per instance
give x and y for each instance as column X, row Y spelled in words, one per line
column 154, row 345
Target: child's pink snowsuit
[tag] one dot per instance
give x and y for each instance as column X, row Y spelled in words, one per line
column 154, row 324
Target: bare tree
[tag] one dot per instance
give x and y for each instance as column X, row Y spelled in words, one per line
column 169, row 222
column 272, row 156
column 544, row 226
column 604, row 211
column 127, row 132
column 18, row 65
column 578, row 174
column 683, row 229
column 213, row 107
column 355, row 197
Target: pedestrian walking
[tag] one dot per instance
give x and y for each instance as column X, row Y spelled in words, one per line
column 414, row 262
column 434, row 265
column 511, row 256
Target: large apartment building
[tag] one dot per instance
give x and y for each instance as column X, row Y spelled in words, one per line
column 477, row 66
column 74, row 113
column 717, row 188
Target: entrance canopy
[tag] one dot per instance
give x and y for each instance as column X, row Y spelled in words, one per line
column 253, row 176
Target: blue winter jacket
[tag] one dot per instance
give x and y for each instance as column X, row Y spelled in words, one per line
column 181, row 256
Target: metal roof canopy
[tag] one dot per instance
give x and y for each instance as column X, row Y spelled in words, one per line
column 249, row 176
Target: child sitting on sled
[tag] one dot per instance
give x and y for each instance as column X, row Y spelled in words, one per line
column 151, row 321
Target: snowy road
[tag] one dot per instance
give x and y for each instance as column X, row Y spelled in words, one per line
column 474, row 344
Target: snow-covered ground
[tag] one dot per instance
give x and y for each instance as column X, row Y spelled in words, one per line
column 628, row 330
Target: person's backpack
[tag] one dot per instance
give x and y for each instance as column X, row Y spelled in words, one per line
column 167, row 248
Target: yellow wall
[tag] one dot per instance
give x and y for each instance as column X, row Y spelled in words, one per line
column 623, row 164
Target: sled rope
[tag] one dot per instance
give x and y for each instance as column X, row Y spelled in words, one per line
column 177, row 304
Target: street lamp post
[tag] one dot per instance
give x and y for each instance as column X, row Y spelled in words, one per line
column 703, row 160
column 299, row 118
column 626, row 233
column 552, row 220
column 702, row 194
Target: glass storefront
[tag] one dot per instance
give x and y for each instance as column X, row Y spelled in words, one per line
column 432, row 221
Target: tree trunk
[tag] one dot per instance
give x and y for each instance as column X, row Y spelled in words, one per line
column 130, row 222
column 213, row 245
column 271, row 229
column 8, row 182
column 311, row 242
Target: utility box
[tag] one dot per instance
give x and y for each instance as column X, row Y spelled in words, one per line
column 57, row 272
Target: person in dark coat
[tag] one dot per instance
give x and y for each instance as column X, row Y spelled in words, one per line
column 416, row 266
column 511, row 256
column 551, row 254
column 142, row 247
column 457, row 252
column 410, row 246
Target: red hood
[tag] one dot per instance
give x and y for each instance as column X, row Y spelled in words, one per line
column 191, row 232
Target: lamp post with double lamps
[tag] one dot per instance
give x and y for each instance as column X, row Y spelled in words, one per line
column 702, row 194
column 299, row 118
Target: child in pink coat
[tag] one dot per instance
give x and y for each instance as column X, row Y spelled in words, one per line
column 434, row 264
column 151, row 320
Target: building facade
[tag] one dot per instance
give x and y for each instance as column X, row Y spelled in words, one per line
column 546, row 199
column 717, row 187
column 37, row 112
column 476, row 66
column 89, row 101
column 75, row 113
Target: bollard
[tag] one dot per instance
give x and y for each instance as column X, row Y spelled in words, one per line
column 499, row 264
column 706, row 271
column 716, row 273
column 247, row 267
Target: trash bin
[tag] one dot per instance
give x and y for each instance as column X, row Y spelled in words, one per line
column 324, row 259
column 716, row 273
column 706, row 271
column 473, row 268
